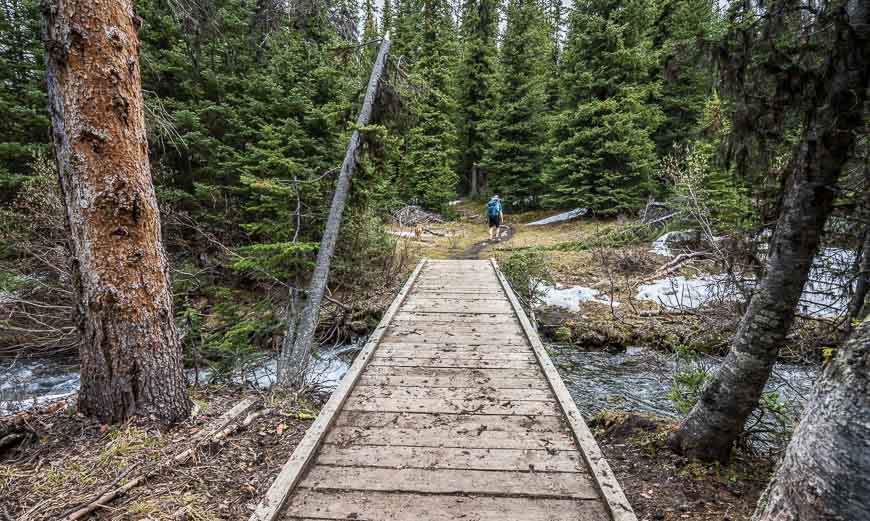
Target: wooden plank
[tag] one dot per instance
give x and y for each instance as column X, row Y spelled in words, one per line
column 440, row 329
column 382, row 506
column 538, row 460
column 482, row 295
column 456, row 318
column 397, row 361
column 448, row 340
column 470, row 393
column 618, row 505
column 408, row 347
column 441, row 326
column 495, row 294
column 451, row 283
column 446, row 306
column 450, row 481
column 491, row 333
column 454, row 424
column 446, row 406
column 475, row 309
column 441, row 372
column 293, row 469
column 445, row 437
column 455, row 354
column 458, row 381
column 459, row 338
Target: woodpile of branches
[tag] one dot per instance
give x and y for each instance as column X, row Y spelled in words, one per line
column 413, row 215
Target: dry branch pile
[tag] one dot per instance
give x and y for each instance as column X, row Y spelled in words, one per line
column 413, row 215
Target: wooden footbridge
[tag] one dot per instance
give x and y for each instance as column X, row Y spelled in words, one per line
column 452, row 411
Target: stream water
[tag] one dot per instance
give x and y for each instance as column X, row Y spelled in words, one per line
column 25, row 384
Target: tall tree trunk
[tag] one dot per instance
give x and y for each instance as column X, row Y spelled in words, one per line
column 710, row 429
column 294, row 359
column 130, row 352
column 474, row 189
column 825, row 473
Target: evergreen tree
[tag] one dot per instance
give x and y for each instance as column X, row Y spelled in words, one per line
column 428, row 166
column 387, row 17
column 370, row 22
column 603, row 154
column 514, row 158
column 22, row 96
column 476, row 86
column 684, row 33
column 408, row 24
column 554, row 19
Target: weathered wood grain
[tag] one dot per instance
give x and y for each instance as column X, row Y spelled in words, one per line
column 532, row 460
column 380, row 506
column 458, row 381
column 446, row 406
column 451, row 481
column 483, row 392
column 461, row 424
column 477, row 372
column 399, row 361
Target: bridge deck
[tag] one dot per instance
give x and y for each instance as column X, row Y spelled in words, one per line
column 452, row 411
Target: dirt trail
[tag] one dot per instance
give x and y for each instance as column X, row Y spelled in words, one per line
column 473, row 251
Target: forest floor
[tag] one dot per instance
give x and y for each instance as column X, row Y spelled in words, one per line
column 663, row 486
column 69, row 459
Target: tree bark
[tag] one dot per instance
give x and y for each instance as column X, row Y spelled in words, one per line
column 294, row 360
column 825, row 474
column 712, row 426
column 130, row 354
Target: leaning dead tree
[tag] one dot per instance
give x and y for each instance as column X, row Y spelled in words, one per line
column 296, row 349
column 130, row 352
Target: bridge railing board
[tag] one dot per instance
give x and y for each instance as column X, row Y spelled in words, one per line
column 606, row 482
column 293, row 470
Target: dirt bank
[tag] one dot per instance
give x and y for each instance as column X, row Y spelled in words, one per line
column 663, row 486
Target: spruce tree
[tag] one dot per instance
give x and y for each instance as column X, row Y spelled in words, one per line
column 514, row 158
column 476, row 87
column 554, row 21
column 387, row 17
column 603, row 156
column 22, row 93
column 428, row 166
column 685, row 33
column 408, row 25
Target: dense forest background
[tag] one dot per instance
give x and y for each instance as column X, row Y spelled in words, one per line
column 601, row 104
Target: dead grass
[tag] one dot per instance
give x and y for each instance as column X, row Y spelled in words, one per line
column 75, row 457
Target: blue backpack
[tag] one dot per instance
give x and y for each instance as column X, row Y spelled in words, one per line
column 493, row 208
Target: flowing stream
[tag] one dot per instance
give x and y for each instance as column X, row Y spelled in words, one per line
column 25, row 384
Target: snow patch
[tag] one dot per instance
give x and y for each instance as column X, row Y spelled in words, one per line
column 562, row 217
column 570, row 297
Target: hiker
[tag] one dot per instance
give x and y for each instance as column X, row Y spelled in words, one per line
column 495, row 216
